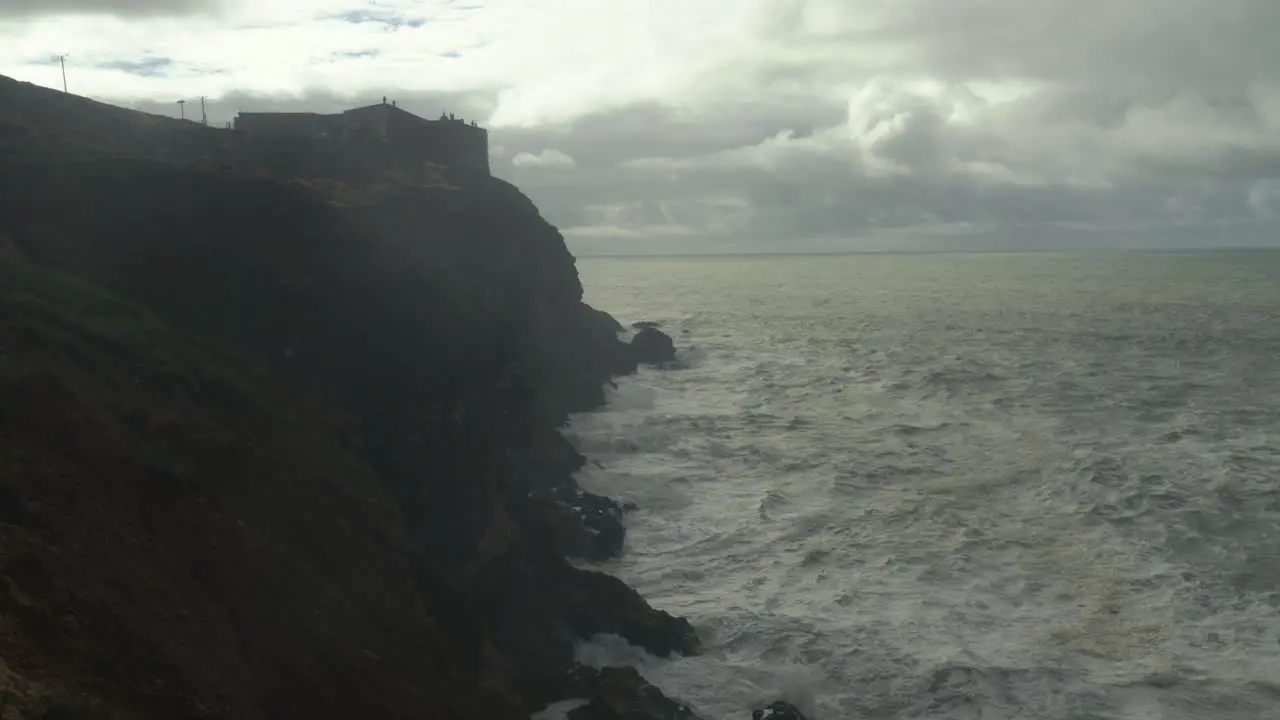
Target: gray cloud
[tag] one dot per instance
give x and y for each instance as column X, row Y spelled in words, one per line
column 147, row 67
column 1144, row 47
column 761, row 176
column 1045, row 123
column 828, row 197
column 123, row 8
column 380, row 17
column 547, row 158
column 1149, row 123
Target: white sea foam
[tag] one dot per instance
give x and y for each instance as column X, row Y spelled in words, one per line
column 967, row 487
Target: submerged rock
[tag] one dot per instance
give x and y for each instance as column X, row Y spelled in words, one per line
column 620, row 693
column 779, row 711
column 653, row 346
column 646, row 325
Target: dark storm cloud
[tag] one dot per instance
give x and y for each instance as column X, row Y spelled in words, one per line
column 1141, row 119
column 831, row 194
column 122, row 8
column 1128, row 121
column 650, row 129
column 147, row 67
column 1231, row 164
column 723, row 176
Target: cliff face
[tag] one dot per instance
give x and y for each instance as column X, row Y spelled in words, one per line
column 279, row 446
column 185, row 538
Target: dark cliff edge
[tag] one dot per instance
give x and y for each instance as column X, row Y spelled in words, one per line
column 278, row 437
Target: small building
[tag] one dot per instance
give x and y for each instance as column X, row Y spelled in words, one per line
column 447, row 141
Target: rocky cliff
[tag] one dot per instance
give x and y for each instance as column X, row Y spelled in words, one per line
column 279, row 439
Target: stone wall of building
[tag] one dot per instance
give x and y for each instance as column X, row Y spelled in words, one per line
column 447, row 142
column 453, row 143
column 291, row 124
column 460, row 145
column 374, row 122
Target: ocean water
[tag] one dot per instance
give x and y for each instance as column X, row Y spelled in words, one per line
column 954, row 486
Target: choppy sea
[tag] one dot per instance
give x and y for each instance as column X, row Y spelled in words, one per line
column 954, row 486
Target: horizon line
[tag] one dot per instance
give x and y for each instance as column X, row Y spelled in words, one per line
column 909, row 251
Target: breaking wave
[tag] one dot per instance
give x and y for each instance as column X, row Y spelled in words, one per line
column 972, row 487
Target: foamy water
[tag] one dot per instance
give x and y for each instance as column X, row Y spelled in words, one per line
column 1020, row 486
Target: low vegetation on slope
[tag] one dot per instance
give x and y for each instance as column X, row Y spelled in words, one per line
column 182, row 538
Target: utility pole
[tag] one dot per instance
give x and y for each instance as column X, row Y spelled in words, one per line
column 204, row 117
column 182, row 109
column 62, row 60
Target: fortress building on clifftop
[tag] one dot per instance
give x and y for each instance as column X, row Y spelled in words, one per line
column 447, row 141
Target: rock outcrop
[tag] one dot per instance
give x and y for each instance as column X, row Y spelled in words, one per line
column 619, row 693
column 583, row 525
column 653, row 347
column 286, row 445
column 778, row 711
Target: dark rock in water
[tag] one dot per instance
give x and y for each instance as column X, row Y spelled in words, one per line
column 646, row 325
column 779, row 711
column 542, row 606
column 598, row 336
column 653, row 346
column 596, row 603
column 583, row 525
column 620, row 693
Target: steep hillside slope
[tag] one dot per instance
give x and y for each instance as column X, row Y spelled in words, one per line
column 283, row 444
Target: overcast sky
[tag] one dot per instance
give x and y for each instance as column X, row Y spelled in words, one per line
column 708, row 125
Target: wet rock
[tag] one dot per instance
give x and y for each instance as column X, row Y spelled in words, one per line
column 646, row 325
column 602, row 319
column 778, row 711
column 653, row 346
column 598, row 337
column 620, row 693
column 541, row 607
column 550, row 462
column 12, row 510
column 597, row 603
column 583, row 525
